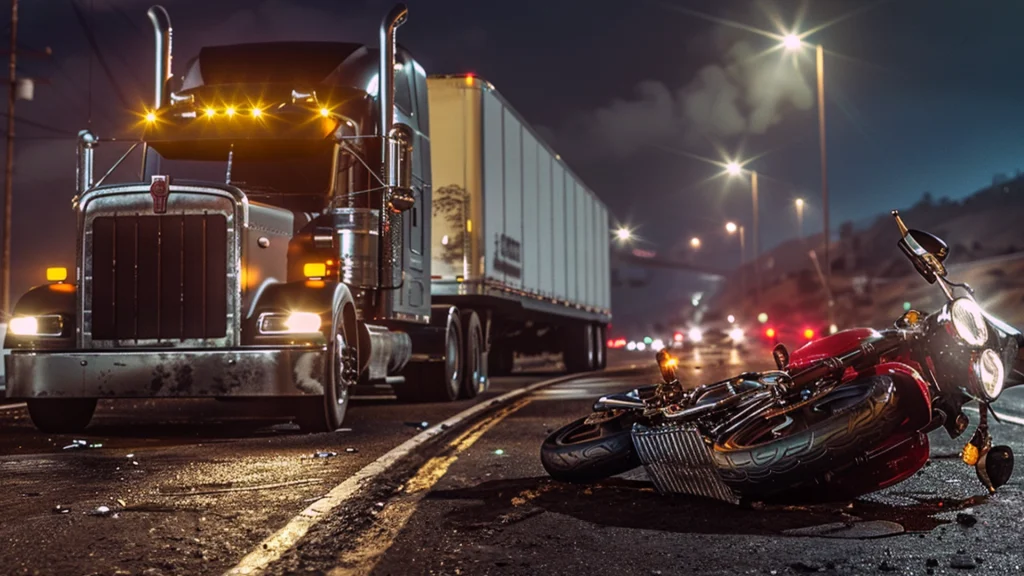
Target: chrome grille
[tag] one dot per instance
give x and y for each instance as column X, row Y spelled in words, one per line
column 159, row 277
column 679, row 461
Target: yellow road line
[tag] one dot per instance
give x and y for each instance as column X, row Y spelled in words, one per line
column 372, row 544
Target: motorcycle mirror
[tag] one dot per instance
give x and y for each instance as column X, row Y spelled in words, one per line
column 995, row 467
column 931, row 243
column 781, row 355
column 667, row 364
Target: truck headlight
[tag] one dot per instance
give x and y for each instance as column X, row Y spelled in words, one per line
column 51, row 325
column 293, row 323
column 969, row 321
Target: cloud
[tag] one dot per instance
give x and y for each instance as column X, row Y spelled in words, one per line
column 746, row 93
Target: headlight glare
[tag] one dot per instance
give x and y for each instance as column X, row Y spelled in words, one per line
column 51, row 325
column 303, row 322
column 990, row 373
column 969, row 322
column 289, row 323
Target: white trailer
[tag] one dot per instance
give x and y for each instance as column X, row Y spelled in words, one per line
column 515, row 233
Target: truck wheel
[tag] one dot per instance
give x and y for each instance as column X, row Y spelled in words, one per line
column 579, row 348
column 600, row 348
column 63, row 415
column 438, row 381
column 474, row 374
column 326, row 413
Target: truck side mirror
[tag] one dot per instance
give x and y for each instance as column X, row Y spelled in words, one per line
column 399, row 174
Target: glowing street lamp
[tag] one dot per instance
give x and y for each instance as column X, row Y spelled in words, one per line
column 733, row 168
column 695, row 242
column 730, row 227
column 623, row 234
column 792, row 42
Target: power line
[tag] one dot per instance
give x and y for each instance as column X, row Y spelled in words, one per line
column 39, row 125
column 94, row 46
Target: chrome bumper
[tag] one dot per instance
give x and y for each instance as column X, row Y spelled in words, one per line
column 165, row 373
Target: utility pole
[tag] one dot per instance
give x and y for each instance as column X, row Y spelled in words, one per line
column 5, row 287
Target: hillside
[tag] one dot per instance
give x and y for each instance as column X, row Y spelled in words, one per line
column 868, row 270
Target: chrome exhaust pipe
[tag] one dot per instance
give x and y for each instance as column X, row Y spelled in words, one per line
column 162, row 37
column 386, row 89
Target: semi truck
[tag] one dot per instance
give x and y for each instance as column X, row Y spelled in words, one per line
column 312, row 217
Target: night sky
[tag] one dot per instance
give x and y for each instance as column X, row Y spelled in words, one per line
column 921, row 96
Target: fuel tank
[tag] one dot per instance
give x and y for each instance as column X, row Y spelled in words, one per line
column 832, row 345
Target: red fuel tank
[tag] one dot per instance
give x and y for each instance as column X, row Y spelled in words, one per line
column 832, row 345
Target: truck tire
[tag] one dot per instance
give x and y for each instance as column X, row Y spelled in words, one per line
column 600, row 348
column 820, row 437
column 438, row 381
column 474, row 373
column 61, row 416
column 327, row 413
column 579, row 348
column 586, row 451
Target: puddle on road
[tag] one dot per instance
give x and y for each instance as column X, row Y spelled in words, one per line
column 635, row 504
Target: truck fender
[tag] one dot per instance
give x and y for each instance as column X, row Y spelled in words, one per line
column 58, row 298
column 331, row 300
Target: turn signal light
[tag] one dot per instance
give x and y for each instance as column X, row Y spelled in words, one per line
column 56, row 274
column 313, row 270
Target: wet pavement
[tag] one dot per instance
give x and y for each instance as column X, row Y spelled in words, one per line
column 494, row 511
column 192, row 487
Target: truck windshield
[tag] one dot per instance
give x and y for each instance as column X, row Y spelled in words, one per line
column 297, row 181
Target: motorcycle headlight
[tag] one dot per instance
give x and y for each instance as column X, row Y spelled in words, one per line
column 989, row 374
column 969, row 321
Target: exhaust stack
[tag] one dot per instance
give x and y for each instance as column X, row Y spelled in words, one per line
column 391, row 22
column 162, row 42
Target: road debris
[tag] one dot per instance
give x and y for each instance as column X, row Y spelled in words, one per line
column 351, row 450
column 103, row 511
column 419, row 425
column 806, row 567
column 963, row 562
column 61, row 509
column 325, row 454
column 245, row 488
column 81, row 444
column 967, row 520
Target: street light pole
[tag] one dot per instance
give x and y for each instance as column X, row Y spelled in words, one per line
column 5, row 286
column 757, row 247
column 743, row 259
column 800, row 218
column 820, row 57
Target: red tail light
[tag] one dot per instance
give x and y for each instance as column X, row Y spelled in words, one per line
column 809, row 334
column 678, row 336
column 620, row 343
column 611, row 343
column 770, row 332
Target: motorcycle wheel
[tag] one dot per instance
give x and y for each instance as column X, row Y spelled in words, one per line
column 775, row 458
column 591, row 448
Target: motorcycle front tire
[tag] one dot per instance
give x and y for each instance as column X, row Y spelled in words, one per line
column 582, row 452
column 861, row 416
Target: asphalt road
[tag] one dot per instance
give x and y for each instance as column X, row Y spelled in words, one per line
column 196, row 486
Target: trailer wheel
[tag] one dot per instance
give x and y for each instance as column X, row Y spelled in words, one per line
column 326, row 413
column 579, row 348
column 600, row 348
column 441, row 380
column 474, row 374
column 61, row 416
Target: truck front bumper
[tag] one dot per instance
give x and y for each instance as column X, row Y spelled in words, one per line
column 240, row 372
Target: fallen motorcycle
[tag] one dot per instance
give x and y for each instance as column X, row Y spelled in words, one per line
column 842, row 416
